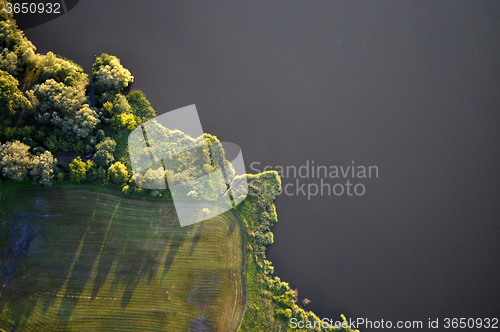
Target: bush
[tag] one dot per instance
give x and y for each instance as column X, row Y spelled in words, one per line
column 109, row 77
column 104, row 155
column 60, row 177
column 118, row 173
column 11, row 98
column 77, row 170
column 15, row 160
column 124, row 120
column 126, row 190
column 140, row 105
column 42, row 168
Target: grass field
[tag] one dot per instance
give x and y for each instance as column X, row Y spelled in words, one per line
column 87, row 260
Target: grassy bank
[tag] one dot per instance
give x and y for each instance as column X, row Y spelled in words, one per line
column 271, row 302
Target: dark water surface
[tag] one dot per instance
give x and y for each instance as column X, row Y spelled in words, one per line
column 411, row 87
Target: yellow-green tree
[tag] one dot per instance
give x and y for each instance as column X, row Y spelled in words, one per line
column 124, row 120
column 118, row 173
column 11, row 98
column 77, row 170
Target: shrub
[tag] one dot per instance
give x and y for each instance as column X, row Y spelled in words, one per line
column 118, row 173
column 77, row 170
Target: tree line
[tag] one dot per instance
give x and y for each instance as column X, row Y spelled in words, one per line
column 46, row 110
column 272, row 303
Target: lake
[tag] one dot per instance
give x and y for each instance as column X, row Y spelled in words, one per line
column 411, row 87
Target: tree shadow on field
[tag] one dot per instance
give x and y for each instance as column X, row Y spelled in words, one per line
column 103, row 269
column 82, row 268
column 178, row 238
column 196, row 238
column 23, row 302
column 80, row 247
column 44, row 266
column 128, row 272
column 137, row 252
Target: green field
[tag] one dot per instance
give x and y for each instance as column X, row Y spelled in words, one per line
column 95, row 261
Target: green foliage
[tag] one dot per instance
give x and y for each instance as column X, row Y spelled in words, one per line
column 42, row 168
column 109, row 76
column 285, row 314
column 107, row 109
column 15, row 49
column 40, row 68
column 185, row 160
column 17, row 133
column 95, row 173
column 11, row 98
column 63, row 106
column 103, row 158
column 108, row 145
column 120, row 105
column 118, row 173
column 104, row 155
column 125, row 121
column 126, row 190
column 52, row 96
column 271, row 302
column 265, row 239
column 15, row 160
column 77, row 170
column 60, row 177
column 101, row 136
column 140, row 105
column 85, row 121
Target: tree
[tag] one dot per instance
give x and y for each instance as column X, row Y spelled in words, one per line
column 126, row 190
column 100, row 135
column 11, row 98
column 60, row 177
column 63, row 106
column 51, row 96
column 108, row 144
column 154, row 178
column 284, row 313
column 103, row 158
column 16, row 50
column 42, row 168
column 85, row 121
column 140, row 105
column 121, row 105
column 109, row 74
column 265, row 239
column 118, row 173
column 51, row 66
column 107, row 109
column 104, row 155
column 15, row 160
column 95, row 173
column 124, row 120
column 77, row 170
